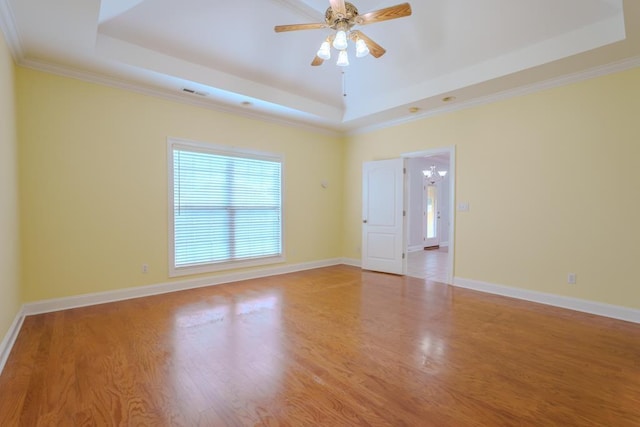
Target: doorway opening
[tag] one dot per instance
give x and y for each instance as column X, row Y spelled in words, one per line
column 430, row 211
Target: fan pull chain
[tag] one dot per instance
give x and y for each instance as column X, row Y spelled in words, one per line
column 344, row 84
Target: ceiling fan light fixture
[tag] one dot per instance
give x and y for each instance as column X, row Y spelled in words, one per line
column 341, row 16
column 340, row 42
column 361, row 48
column 343, row 59
column 325, row 51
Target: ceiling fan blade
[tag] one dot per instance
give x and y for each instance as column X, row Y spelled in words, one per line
column 393, row 12
column 338, row 7
column 297, row 27
column 374, row 48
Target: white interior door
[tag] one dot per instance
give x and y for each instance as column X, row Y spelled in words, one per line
column 383, row 216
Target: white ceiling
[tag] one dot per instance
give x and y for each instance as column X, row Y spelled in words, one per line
column 472, row 50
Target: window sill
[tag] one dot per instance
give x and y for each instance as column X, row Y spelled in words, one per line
column 223, row 266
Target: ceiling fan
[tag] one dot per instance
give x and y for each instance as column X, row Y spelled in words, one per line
column 342, row 16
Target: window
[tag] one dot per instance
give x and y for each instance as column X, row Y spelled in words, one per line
column 226, row 208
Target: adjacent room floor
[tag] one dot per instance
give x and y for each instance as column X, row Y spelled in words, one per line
column 429, row 264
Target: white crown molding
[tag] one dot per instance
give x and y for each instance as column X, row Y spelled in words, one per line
column 103, row 80
column 12, row 36
column 591, row 73
column 57, row 304
column 10, row 31
column 10, row 338
column 339, row 130
column 591, row 307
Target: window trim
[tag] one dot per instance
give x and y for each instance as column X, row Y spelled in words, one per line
column 223, row 150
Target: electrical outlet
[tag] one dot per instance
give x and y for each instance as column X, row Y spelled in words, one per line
column 145, row 268
column 571, row 278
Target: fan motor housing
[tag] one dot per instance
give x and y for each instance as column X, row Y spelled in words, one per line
column 333, row 19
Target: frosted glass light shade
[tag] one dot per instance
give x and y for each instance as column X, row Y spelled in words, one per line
column 343, row 59
column 325, row 51
column 340, row 42
column 361, row 49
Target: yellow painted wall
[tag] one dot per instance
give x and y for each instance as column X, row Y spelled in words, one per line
column 553, row 183
column 93, row 183
column 10, row 299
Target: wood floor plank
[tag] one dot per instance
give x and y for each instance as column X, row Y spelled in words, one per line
column 335, row 346
column 17, row 373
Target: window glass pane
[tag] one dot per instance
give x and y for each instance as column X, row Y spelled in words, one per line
column 248, row 224
column 200, row 236
column 226, row 207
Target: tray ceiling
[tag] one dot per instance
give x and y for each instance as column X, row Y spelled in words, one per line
column 229, row 57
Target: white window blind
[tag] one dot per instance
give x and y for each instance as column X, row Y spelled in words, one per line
column 227, row 206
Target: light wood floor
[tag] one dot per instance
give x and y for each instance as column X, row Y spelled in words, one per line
column 333, row 346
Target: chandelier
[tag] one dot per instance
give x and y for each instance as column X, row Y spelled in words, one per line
column 432, row 175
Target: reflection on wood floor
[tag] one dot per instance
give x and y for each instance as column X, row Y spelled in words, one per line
column 428, row 264
column 335, row 346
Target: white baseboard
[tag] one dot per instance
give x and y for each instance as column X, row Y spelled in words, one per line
column 591, row 307
column 57, row 304
column 352, row 262
column 45, row 306
column 421, row 247
column 10, row 338
column 50, row 305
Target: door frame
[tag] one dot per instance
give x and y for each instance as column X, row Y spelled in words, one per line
column 451, row 150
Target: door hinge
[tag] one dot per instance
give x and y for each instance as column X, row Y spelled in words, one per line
column 404, row 213
column 403, row 255
column 404, row 171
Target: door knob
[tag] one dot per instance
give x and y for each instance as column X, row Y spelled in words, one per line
column 364, row 221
